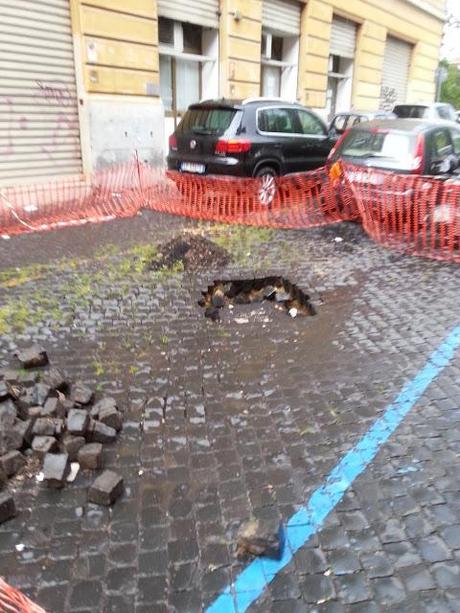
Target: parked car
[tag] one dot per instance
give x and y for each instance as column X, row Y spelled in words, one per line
column 341, row 122
column 437, row 111
column 405, row 146
column 256, row 137
column 402, row 145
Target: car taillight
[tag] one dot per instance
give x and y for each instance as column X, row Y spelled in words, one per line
column 337, row 145
column 173, row 142
column 232, row 146
column 419, row 159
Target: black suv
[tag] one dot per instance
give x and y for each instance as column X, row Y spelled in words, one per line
column 257, row 137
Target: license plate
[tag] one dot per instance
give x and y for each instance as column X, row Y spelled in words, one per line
column 193, row 167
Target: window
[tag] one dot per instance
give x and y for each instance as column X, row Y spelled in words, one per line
column 394, row 149
column 277, row 48
column 339, row 123
column 339, row 83
column 442, row 146
column 445, row 112
column 384, row 144
column 277, row 120
column 166, row 31
column 406, row 111
column 272, row 51
column 310, row 124
column 455, row 134
column 180, row 78
column 279, row 65
column 271, row 81
column 207, row 121
column 334, row 64
column 354, row 120
column 192, row 38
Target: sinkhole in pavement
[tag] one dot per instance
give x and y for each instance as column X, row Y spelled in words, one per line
column 284, row 295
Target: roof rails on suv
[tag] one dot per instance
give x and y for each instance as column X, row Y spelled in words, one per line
column 267, row 99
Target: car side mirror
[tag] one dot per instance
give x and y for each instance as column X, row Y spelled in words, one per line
column 443, row 166
column 454, row 163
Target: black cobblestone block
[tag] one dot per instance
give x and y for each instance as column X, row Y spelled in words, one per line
column 106, row 488
column 7, row 507
column 12, row 462
column 77, row 422
column 44, row 444
column 81, row 393
column 72, row 444
column 100, row 433
column 90, row 456
column 56, row 467
column 111, row 417
column 32, row 356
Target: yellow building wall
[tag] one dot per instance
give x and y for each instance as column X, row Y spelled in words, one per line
column 375, row 20
column 315, row 31
column 240, row 48
column 119, row 46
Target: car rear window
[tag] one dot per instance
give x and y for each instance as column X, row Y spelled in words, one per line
column 207, row 121
column 410, row 111
column 394, row 149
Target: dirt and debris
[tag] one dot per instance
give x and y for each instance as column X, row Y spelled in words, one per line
column 193, row 251
column 260, row 537
column 284, row 294
column 44, row 416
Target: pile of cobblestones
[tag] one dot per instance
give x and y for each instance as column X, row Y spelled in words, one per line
column 45, row 417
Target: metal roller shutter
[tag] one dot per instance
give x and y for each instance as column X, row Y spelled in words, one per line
column 281, row 16
column 343, row 38
column 202, row 12
column 396, row 64
column 39, row 126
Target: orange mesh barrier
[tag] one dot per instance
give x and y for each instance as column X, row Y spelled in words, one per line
column 417, row 215
column 13, row 601
column 414, row 214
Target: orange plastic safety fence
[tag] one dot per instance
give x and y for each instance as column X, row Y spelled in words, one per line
column 417, row 215
column 414, row 214
column 13, row 601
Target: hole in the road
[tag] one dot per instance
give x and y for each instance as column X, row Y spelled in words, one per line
column 278, row 290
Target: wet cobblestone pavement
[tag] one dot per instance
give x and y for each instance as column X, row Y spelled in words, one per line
column 229, row 420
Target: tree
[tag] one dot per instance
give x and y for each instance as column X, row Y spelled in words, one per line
column 450, row 88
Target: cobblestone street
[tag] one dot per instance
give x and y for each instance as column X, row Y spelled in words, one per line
column 239, row 418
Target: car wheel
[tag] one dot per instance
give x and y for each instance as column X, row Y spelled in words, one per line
column 267, row 185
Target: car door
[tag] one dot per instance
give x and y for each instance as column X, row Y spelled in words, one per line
column 279, row 127
column 441, row 151
column 314, row 144
column 337, row 127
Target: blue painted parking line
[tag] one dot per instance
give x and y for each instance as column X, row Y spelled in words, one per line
column 251, row 583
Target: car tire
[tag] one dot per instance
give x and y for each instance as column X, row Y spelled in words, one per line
column 266, row 190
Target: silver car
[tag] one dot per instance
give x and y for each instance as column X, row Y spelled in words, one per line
column 436, row 111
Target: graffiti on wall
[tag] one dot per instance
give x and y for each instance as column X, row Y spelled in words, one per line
column 63, row 128
column 388, row 98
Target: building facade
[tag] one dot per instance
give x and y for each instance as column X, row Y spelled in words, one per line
column 87, row 83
